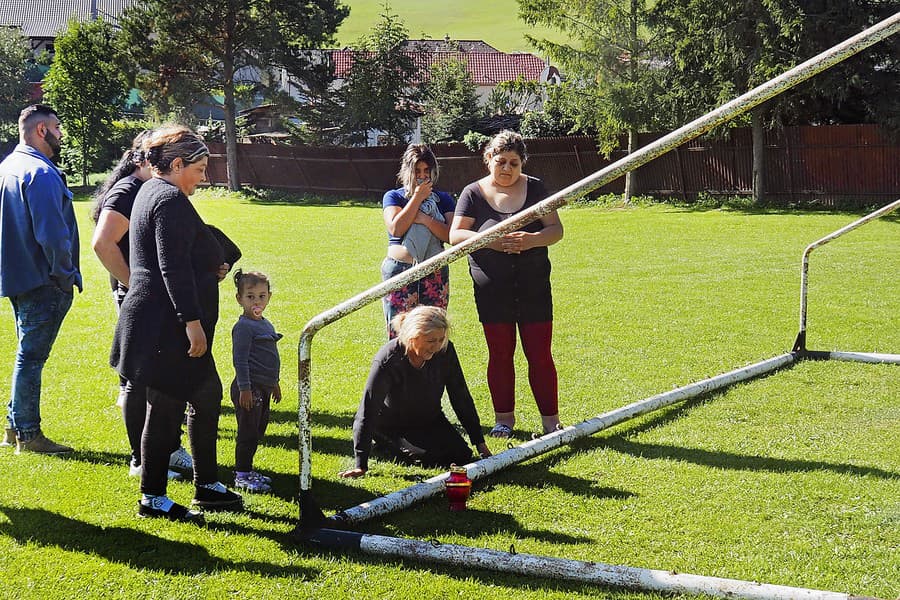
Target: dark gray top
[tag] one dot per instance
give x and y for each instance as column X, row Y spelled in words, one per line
column 255, row 353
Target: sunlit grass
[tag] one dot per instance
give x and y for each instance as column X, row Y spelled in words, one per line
column 793, row 479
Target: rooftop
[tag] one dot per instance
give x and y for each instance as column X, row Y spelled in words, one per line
column 486, row 68
column 48, row 18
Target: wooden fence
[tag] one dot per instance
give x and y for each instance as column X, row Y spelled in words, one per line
column 832, row 165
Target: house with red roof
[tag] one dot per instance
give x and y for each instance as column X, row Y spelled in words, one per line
column 487, row 66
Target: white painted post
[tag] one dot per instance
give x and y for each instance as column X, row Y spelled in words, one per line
column 431, row 487
column 724, row 113
column 594, row 573
column 800, row 344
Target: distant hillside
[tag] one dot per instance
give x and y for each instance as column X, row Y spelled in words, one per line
column 494, row 21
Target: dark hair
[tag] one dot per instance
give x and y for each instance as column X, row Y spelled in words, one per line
column 130, row 161
column 173, row 141
column 243, row 280
column 406, row 176
column 506, row 141
column 32, row 115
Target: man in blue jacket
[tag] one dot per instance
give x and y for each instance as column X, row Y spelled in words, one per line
column 38, row 266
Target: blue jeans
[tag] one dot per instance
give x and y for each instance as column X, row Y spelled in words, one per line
column 39, row 314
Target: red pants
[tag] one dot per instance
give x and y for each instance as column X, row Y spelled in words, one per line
column 501, row 373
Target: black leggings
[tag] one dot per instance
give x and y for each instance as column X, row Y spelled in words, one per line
column 162, row 431
column 442, row 444
column 134, row 413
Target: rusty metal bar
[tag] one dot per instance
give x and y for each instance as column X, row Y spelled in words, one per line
column 594, row 573
column 431, row 487
column 800, row 343
column 641, row 156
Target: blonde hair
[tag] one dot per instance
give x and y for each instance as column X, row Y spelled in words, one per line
column 170, row 142
column 505, row 141
column 421, row 320
column 406, row 176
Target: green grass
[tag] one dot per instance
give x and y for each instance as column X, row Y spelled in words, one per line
column 793, row 479
column 496, row 22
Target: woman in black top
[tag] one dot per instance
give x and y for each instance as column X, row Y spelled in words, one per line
column 167, row 321
column 401, row 405
column 112, row 212
column 512, row 279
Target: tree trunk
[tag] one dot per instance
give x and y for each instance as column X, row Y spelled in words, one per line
column 630, row 176
column 759, row 155
column 234, row 180
column 84, row 154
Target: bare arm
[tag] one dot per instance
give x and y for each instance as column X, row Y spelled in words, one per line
column 440, row 230
column 519, row 241
column 111, row 227
column 398, row 220
column 461, row 230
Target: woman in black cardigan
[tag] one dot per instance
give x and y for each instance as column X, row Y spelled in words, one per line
column 167, row 322
column 401, row 405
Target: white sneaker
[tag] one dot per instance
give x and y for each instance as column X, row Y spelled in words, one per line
column 180, row 459
column 136, row 471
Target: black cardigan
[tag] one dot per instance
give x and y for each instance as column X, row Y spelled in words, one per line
column 399, row 396
column 174, row 259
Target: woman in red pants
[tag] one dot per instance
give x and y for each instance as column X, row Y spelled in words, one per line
column 512, row 279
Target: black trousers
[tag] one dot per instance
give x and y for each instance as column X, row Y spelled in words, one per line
column 251, row 424
column 441, row 442
column 162, row 430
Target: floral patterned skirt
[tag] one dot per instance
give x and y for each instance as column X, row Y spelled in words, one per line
column 431, row 290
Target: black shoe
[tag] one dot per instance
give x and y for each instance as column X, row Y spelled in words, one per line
column 176, row 512
column 208, row 499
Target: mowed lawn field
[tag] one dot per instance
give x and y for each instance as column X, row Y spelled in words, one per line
column 793, row 479
column 495, row 22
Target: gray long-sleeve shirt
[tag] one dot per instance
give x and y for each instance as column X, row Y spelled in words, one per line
column 255, row 353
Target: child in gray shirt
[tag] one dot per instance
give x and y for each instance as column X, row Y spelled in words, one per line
column 256, row 375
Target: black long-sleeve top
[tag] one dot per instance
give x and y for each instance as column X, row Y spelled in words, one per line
column 399, row 396
column 174, row 259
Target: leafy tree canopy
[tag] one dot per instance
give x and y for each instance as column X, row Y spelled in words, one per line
column 86, row 86
column 185, row 50
column 610, row 62
column 14, row 65
column 379, row 93
column 451, row 103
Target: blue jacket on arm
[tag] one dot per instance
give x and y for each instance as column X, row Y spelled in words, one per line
column 38, row 231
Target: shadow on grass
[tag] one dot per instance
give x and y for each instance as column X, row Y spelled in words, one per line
column 113, row 459
column 624, row 443
column 331, row 494
column 476, row 523
column 285, row 198
column 741, row 462
column 122, row 545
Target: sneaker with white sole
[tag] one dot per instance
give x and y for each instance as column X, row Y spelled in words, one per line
column 251, row 484
column 137, row 470
column 260, row 477
column 215, row 496
column 162, row 507
column 9, row 438
column 180, row 459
